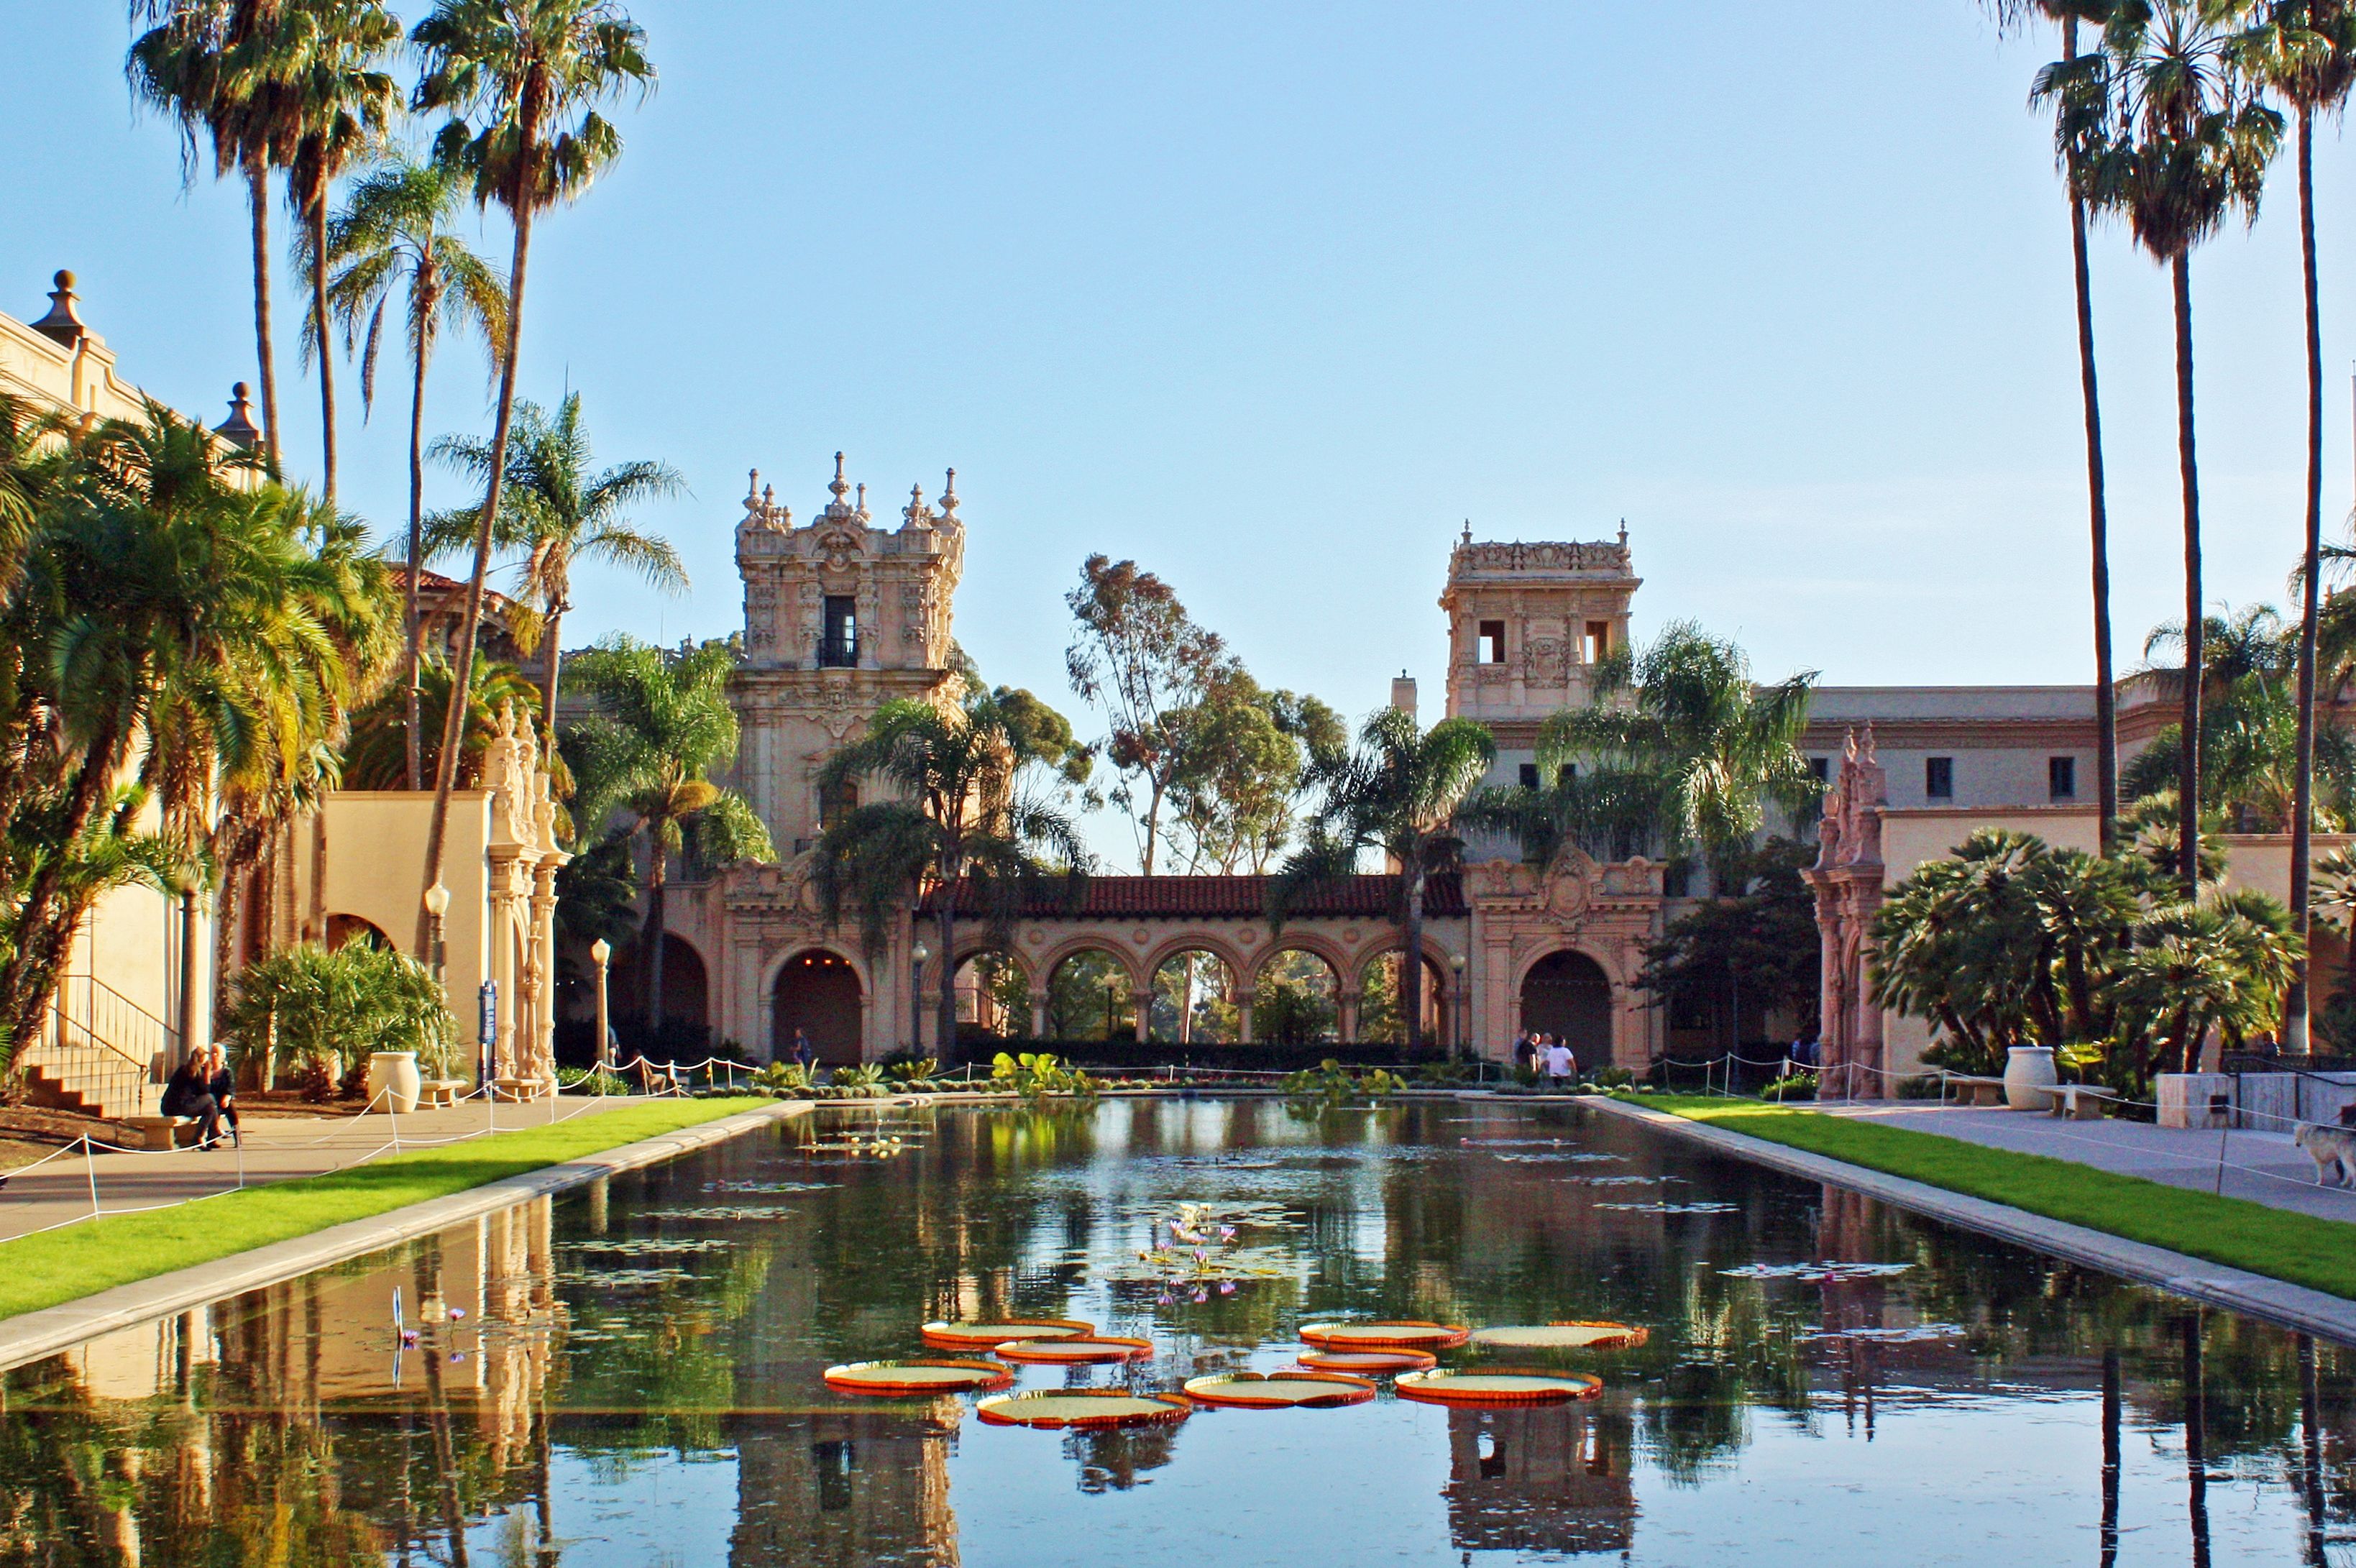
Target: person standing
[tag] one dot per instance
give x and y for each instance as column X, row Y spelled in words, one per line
column 1559, row 1063
column 803, row 1052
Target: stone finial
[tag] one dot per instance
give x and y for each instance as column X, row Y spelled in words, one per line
column 916, row 514
column 862, row 508
column 63, row 324
column 239, row 429
column 1623, row 533
column 752, row 485
column 949, row 497
column 1866, row 747
column 841, row 487
column 1466, row 537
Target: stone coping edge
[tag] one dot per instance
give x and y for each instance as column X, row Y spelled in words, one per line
column 2277, row 1300
column 31, row 1336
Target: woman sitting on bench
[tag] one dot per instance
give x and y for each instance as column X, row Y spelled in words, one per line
column 189, row 1093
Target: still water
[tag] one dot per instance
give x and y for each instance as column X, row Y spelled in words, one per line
column 631, row 1374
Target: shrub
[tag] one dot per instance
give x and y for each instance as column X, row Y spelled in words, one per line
column 590, row 1080
column 1614, row 1077
column 309, row 1005
column 862, row 1079
column 1038, row 1074
column 1337, row 1085
column 782, row 1078
column 1790, row 1087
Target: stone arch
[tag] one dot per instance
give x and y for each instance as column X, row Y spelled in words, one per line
column 1195, row 1002
column 823, row 994
column 687, row 981
column 343, row 929
column 1571, row 993
column 1336, row 956
column 1091, row 993
column 1296, row 1002
column 1046, row 963
column 994, row 993
column 1376, row 1000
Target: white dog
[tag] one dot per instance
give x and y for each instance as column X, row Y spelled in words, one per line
column 2333, row 1150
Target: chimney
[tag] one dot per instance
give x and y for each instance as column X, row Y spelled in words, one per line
column 1403, row 693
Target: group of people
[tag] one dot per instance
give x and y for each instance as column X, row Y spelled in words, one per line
column 1545, row 1055
column 203, row 1089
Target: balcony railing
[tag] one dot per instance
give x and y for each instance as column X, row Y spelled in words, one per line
column 838, row 652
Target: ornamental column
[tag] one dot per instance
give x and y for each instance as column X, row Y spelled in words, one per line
column 543, row 972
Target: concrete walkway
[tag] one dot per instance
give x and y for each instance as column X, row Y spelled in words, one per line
column 2264, row 1167
column 276, row 1148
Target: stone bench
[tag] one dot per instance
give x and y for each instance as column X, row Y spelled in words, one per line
column 159, row 1131
column 1971, row 1089
column 2077, row 1101
column 439, row 1093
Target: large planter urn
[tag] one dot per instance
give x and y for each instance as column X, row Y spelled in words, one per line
column 392, row 1081
column 2026, row 1069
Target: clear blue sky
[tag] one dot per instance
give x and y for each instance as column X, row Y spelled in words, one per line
column 1272, row 297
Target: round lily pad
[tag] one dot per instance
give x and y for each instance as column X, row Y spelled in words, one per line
column 895, row 1380
column 1087, row 1352
column 1280, row 1390
column 1369, row 1363
column 1561, row 1336
column 1502, row 1386
column 991, row 1335
column 1397, row 1333
column 1054, row 1407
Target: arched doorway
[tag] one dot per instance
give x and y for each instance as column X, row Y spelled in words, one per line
column 685, row 987
column 1088, row 998
column 818, row 993
column 993, row 998
column 1294, row 1002
column 343, row 929
column 1194, row 1000
column 1382, row 1013
column 1567, row 994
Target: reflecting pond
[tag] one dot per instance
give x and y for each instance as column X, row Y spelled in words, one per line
column 631, row 1374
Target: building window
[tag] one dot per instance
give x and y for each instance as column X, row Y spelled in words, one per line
column 836, row 803
column 1529, row 774
column 1939, row 778
column 1567, row 774
column 1599, row 640
column 2061, row 777
column 1493, row 642
column 1820, row 768
column 837, row 644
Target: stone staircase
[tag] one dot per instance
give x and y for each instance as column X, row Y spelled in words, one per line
column 94, row 1057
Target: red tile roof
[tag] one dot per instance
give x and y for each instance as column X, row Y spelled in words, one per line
column 1223, row 898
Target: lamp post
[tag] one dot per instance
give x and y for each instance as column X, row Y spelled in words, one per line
column 601, row 951
column 1456, row 967
column 916, row 957
column 437, row 904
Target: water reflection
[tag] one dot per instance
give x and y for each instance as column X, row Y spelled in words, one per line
column 631, row 1374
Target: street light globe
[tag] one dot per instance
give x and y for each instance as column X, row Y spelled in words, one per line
column 920, row 952
column 438, row 900
column 600, row 950
column 1456, row 962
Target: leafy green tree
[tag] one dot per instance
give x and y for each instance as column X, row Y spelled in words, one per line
column 962, row 814
column 394, row 236
column 1398, row 792
column 1759, row 945
column 377, row 756
column 2222, row 963
column 2180, row 143
column 560, row 515
column 305, row 1004
column 663, row 725
column 521, row 80
column 1243, row 755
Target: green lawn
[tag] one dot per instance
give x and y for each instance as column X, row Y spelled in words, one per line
column 2278, row 1243
column 58, row 1266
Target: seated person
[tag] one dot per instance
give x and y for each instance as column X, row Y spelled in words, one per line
column 222, row 1086
column 189, row 1093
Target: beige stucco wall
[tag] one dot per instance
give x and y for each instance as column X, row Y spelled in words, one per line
column 376, row 870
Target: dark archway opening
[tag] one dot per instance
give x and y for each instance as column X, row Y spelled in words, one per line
column 1567, row 994
column 818, row 993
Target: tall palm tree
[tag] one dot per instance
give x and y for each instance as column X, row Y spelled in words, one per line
column 663, row 725
column 394, row 235
column 376, row 757
column 1398, row 791
column 965, row 817
column 2076, row 87
column 2183, row 142
column 521, row 79
column 203, row 63
column 2305, row 50
column 328, row 62
column 561, row 515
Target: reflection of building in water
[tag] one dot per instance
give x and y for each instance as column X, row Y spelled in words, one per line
column 832, row 1488
column 1112, row 1460
column 1550, row 1478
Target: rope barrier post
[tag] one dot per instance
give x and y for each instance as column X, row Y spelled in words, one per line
column 90, row 1164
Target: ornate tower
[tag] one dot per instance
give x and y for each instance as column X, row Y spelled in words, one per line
column 840, row 616
column 1527, row 624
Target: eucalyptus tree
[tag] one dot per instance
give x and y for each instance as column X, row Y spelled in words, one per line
column 968, row 808
column 2181, row 143
column 329, row 64
column 662, row 726
column 559, row 514
column 521, row 80
column 2076, row 87
column 395, row 236
column 1398, row 791
column 2305, row 51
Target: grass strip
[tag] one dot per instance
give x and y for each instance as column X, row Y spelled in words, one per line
column 2282, row 1244
column 58, row 1266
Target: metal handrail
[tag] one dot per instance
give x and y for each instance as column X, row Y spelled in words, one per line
column 117, row 1040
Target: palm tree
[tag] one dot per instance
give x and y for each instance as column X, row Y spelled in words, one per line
column 561, row 515
column 964, row 818
column 2306, row 50
column 521, row 79
column 394, row 234
column 202, row 63
column 377, row 756
column 1398, row 791
column 2077, row 88
column 328, row 61
column 2181, row 142
column 662, row 727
